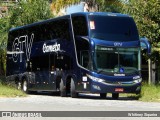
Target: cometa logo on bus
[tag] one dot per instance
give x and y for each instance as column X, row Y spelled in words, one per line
column 51, row 48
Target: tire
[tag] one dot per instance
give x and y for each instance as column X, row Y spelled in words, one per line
column 19, row 85
column 63, row 92
column 25, row 86
column 103, row 95
column 74, row 94
column 115, row 96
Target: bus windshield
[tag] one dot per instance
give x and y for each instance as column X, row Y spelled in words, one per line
column 112, row 28
column 117, row 60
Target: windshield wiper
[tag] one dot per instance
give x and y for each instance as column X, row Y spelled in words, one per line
column 100, row 71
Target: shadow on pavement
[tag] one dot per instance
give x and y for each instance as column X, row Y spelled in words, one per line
column 89, row 96
column 109, row 97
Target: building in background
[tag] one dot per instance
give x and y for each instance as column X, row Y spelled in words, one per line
column 5, row 5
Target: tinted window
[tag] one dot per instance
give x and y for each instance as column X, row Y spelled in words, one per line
column 11, row 37
column 80, row 26
column 56, row 29
column 37, row 63
column 112, row 28
column 83, row 55
column 114, row 60
column 59, row 29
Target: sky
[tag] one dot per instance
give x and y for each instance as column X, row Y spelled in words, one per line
column 79, row 8
column 75, row 8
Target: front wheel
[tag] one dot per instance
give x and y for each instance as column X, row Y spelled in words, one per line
column 25, row 86
column 19, row 85
column 74, row 94
column 103, row 95
column 63, row 91
column 115, row 95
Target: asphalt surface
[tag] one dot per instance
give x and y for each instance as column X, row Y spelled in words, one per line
column 86, row 102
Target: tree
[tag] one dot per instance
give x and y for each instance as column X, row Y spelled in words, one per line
column 4, row 26
column 110, row 5
column 93, row 5
column 22, row 13
column 29, row 11
column 147, row 16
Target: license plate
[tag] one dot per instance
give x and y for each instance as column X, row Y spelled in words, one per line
column 119, row 89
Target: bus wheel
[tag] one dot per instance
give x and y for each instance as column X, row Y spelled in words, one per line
column 63, row 92
column 25, row 86
column 115, row 95
column 74, row 94
column 19, row 85
column 103, row 95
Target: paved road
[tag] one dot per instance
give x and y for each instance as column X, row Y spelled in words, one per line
column 49, row 102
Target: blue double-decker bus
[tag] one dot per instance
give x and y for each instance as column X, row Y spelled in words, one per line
column 92, row 52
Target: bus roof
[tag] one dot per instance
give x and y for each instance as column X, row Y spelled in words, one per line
column 37, row 23
column 102, row 14
column 67, row 16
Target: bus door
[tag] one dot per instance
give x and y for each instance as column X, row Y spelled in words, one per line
column 57, row 65
column 52, row 72
column 60, row 65
column 40, row 67
column 84, row 60
column 45, row 72
column 86, row 63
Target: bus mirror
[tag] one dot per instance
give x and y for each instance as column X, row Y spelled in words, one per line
column 145, row 45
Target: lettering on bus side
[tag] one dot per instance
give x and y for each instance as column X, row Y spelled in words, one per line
column 20, row 46
column 51, row 48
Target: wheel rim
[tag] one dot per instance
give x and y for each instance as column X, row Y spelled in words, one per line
column 74, row 94
column 25, row 86
column 62, row 89
column 19, row 86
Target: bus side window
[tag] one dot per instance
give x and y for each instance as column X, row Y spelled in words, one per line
column 84, row 58
column 37, row 63
column 63, row 62
column 80, row 26
column 59, row 29
column 82, row 48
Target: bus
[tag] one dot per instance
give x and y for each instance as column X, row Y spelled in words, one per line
column 85, row 52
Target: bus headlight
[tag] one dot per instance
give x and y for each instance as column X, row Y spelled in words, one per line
column 95, row 78
column 138, row 80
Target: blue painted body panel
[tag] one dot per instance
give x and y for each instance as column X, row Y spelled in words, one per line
column 47, row 80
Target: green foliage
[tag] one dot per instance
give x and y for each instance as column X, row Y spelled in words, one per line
column 150, row 93
column 100, row 5
column 9, row 91
column 29, row 11
column 110, row 5
column 58, row 4
column 4, row 26
column 22, row 13
column 146, row 13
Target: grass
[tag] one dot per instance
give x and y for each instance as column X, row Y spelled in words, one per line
column 149, row 93
column 9, row 91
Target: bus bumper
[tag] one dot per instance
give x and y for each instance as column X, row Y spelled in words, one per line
column 118, row 88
